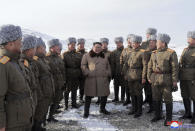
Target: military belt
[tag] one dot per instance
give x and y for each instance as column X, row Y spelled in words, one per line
column 21, row 96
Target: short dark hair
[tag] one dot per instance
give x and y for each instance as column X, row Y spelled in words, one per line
column 97, row 43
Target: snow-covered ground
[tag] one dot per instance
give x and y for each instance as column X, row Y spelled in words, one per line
column 73, row 120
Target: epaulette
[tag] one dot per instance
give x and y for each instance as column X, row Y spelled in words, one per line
column 154, row 51
column 142, row 50
column 35, row 58
column 26, row 63
column 4, row 59
column 170, row 50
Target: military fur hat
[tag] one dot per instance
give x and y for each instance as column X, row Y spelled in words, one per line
column 165, row 38
column 71, row 40
column 152, row 37
column 118, row 39
column 129, row 36
column 53, row 42
column 151, row 31
column 81, row 40
column 191, row 34
column 28, row 42
column 40, row 42
column 9, row 33
column 136, row 39
column 104, row 40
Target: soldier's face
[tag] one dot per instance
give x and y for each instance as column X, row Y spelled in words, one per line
column 55, row 49
column 135, row 45
column 81, row 46
column 104, row 45
column 147, row 36
column 30, row 52
column 129, row 42
column 160, row 44
column 119, row 44
column 191, row 41
column 71, row 46
column 14, row 46
column 97, row 48
column 41, row 50
column 152, row 44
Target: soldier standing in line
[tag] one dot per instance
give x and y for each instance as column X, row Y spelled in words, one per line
column 28, row 51
column 163, row 75
column 82, row 51
column 16, row 103
column 123, row 59
column 46, row 83
column 187, row 76
column 136, row 68
column 116, row 70
column 148, row 89
column 72, row 62
column 145, row 46
column 54, row 62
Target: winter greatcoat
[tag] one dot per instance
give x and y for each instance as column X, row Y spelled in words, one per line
column 97, row 70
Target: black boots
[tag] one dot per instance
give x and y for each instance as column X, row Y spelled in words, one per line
column 116, row 90
column 127, row 101
column 87, row 106
column 139, row 103
column 103, row 106
column 98, row 100
column 74, row 99
column 134, row 106
column 51, row 118
column 37, row 126
column 157, row 108
column 169, row 109
column 66, row 97
column 187, row 106
column 150, row 104
column 193, row 117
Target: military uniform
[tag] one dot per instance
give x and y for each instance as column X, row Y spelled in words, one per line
column 116, row 73
column 162, row 72
column 187, row 78
column 136, row 71
column 72, row 62
column 82, row 80
column 147, row 85
column 31, row 78
column 54, row 62
column 16, row 103
column 123, row 59
column 47, row 86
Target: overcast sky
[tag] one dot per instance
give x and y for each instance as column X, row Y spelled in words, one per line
column 101, row 18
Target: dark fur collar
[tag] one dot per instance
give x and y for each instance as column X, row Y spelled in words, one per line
column 93, row 54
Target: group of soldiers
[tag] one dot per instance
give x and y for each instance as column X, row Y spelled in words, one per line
column 33, row 82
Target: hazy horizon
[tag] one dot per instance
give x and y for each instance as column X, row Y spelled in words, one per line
column 93, row 19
